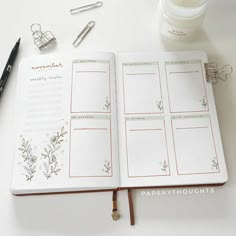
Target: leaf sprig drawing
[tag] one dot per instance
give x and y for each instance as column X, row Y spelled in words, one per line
column 50, row 164
column 203, row 101
column 215, row 163
column 159, row 105
column 26, row 153
column 107, row 167
column 164, row 166
column 107, row 104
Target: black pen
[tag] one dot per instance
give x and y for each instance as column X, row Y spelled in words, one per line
column 9, row 66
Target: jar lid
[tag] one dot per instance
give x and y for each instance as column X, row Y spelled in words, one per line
column 188, row 9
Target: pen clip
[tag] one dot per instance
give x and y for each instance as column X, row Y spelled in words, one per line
column 83, row 33
column 86, row 7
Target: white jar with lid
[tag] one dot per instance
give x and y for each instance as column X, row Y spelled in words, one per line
column 180, row 19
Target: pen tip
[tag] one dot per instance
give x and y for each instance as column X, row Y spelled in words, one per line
column 19, row 40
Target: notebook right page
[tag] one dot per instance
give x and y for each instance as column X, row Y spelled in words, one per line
column 168, row 127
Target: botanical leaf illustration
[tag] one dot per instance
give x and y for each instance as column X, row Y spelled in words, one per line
column 107, row 167
column 159, row 105
column 29, row 159
column 215, row 163
column 164, row 166
column 107, row 104
column 50, row 164
column 203, row 101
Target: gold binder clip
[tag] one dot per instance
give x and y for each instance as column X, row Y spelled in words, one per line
column 214, row 73
column 42, row 40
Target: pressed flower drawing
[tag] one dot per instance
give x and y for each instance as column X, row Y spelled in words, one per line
column 26, row 153
column 159, row 105
column 50, row 164
column 203, row 101
column 107, row 167
column 164, row 166
column 107, row 104
column 215, row 164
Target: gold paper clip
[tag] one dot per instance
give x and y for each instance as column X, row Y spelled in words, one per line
column 86, row 7
column 83, row 33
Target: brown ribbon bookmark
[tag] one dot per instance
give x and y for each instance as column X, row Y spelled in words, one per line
column 131, row 207
column 115, row 213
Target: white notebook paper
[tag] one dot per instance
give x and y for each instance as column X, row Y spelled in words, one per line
column 99, row 121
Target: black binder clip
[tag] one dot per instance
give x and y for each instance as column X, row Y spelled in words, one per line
column 42, row 40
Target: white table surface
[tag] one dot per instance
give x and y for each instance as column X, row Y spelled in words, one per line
column 121, row 25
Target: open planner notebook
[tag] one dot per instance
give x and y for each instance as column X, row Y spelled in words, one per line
column 97, row 121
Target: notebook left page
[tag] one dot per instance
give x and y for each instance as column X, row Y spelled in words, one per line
column 66, row 124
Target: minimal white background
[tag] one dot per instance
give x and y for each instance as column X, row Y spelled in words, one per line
column 121, row 25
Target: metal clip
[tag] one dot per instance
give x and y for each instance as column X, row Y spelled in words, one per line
column 42, row 40
column 86, row 7
column 214, row 73
column 83, row 33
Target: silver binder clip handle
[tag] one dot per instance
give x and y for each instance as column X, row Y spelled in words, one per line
column 83, row 33
column 42, row 40
column 86, row 7
column 215, row 73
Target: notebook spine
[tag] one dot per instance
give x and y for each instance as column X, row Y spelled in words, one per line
column 214, row 73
